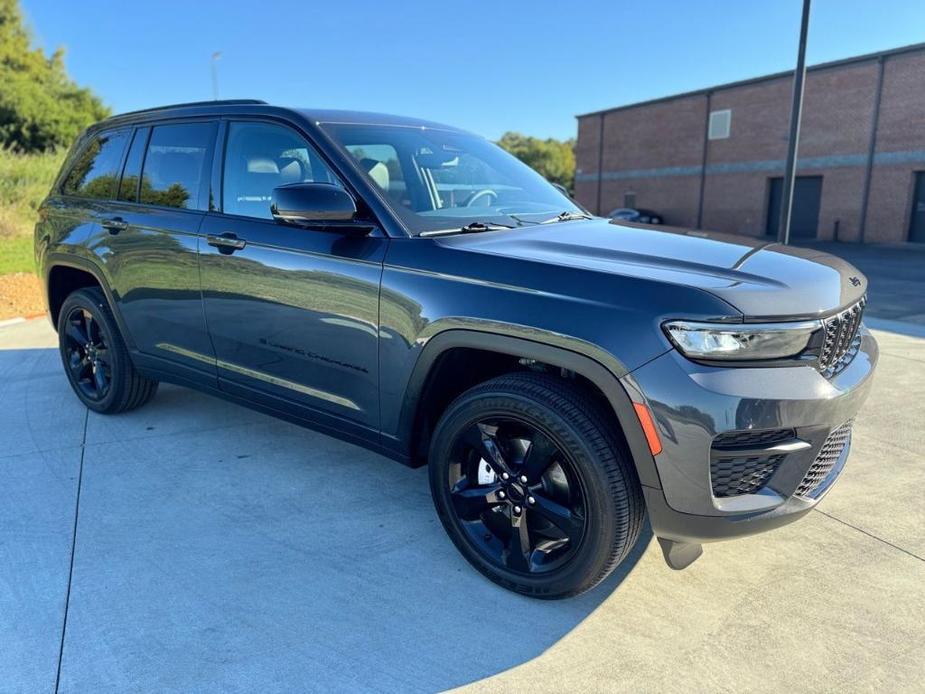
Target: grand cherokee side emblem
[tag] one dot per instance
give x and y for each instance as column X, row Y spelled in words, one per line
column 854, row 281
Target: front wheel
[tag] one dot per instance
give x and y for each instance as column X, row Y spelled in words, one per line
column 533, row 487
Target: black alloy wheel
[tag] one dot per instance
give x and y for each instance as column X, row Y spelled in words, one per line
column 87, row 354
column 534, row 484
column 516, row 495
column 95, row 358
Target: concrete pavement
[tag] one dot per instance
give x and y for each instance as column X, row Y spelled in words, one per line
column 194, row 545
column 897, row 276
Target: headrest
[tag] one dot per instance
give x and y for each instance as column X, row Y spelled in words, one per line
column 290, row 170
column 377, row 171
column 262, row 165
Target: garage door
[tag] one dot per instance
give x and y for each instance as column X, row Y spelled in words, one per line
column 917, row 222
column 804, row 218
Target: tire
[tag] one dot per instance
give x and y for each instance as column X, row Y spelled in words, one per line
column 588, row 494
column 656, row 220
column 99, row 369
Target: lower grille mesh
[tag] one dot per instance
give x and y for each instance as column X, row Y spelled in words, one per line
column 742, row 475
column 826, row 460
column 736, row 467
column 753, row 439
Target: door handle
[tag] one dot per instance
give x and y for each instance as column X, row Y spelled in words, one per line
column 227, row 243
column 114, row 225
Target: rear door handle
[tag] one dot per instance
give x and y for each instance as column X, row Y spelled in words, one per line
column 226, row 243
column 114, row 225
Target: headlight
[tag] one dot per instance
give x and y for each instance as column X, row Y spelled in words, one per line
column 744, row 341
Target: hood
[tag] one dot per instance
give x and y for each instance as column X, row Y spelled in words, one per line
column 760, row 279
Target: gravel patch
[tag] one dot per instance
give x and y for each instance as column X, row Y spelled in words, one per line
column 20, row 295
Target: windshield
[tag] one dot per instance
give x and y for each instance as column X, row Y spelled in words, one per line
column 438, row 179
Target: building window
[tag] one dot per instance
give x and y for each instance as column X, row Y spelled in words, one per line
column 720, row 124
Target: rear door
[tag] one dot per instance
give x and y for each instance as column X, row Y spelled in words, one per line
column 292, row 312
column 72, row 216
column 149, row 244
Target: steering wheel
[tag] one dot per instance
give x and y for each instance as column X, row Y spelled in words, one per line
column 485, row 192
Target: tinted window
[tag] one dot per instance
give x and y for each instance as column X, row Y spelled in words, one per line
column 261, row 156
column 128, row 188
column 96, row 168
column 176, row 165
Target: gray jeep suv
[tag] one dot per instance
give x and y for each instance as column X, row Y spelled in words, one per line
column 410, row 287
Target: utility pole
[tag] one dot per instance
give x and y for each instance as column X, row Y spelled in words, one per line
column 215, row 58
column 796, row 108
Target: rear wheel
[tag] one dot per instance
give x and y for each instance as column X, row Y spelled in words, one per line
column 95, row 359
column 532, row 487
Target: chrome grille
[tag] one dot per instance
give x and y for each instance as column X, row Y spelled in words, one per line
column 842, row 339
column 826, row 460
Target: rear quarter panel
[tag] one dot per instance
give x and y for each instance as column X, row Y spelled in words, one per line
column 62, row 231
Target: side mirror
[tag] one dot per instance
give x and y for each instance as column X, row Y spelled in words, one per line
column 314, row 204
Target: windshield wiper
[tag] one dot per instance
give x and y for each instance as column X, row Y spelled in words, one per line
column 470, row 228
column 567, row 216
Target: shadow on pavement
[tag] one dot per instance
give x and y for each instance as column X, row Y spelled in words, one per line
column 219, row 549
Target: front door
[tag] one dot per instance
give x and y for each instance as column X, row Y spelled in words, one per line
column 804, row 215
column 917, row 222
column 149, row 241
column 293, row 314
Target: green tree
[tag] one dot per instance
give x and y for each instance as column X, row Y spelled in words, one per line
column 551, row 158
column 41, row 108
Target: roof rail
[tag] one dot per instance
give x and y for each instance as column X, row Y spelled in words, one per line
column 214, row 102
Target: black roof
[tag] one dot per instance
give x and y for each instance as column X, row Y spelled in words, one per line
column 753, row 80
column 190, row 104
column 251, row 106
column 369, row 118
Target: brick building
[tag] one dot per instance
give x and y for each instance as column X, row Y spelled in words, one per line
column 714, row 158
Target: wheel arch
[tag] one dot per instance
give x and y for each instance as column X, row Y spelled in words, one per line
column 512, row 350
column 65, row 274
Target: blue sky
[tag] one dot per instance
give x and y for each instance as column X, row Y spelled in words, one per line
column 486, row 66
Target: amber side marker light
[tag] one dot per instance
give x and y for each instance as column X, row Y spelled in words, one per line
column 648, row 427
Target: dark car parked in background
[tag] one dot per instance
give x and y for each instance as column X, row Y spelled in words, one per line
column 630, row 214
column 412, row 288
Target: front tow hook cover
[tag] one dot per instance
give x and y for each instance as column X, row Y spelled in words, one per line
column 680, row 555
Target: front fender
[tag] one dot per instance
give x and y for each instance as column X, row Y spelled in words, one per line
column 555, row 350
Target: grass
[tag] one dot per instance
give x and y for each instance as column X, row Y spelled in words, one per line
column 16, row 255
column 24, row 183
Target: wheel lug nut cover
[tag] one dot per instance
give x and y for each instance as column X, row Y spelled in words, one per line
column 501, row 495
column 517, row 509
column 531, row 500
column 505, row 476
column 523, row 479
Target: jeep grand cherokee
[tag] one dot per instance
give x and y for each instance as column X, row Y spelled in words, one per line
column 412, row 288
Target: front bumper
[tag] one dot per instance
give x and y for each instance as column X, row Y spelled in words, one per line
column 692, row 404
